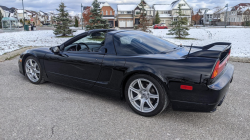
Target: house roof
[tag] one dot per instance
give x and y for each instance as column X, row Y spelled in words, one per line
column 175, row 3
column 123, row 7
column 103, row 4
column 162, row 7
column 240, row 6
column 11, row 10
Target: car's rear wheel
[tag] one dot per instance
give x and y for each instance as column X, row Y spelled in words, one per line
column 157, row 28
column 33, row 70
column 165, row 28
column 145, row 95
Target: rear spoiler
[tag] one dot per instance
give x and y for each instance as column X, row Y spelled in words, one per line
column 214, row 50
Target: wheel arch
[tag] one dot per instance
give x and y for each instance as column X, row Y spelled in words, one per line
column 28, row 54
column 162, row 80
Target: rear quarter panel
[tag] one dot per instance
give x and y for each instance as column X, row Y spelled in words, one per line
column 192, row 71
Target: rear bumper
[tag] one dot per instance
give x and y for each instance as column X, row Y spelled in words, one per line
column 214, row 95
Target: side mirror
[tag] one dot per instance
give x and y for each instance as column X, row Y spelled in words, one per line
column 55, row 49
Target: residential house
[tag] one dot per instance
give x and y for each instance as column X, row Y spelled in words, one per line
column 168, row 12
column 43, row 17
column 108, row 13
column 238, row 14
column 7, row 12
column 148, row 10
column 125, row 16
column 165, row 13
column 185, row 8
column 22, row 16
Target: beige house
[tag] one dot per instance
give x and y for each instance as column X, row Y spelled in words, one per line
column 168, row 12
column 125, row 16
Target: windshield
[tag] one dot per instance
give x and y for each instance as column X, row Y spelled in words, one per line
column 132, row 43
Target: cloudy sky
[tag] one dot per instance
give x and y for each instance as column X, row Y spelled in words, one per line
column 74, row 6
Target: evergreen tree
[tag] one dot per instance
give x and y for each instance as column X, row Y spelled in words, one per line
column 63, row 27
column 1, row 16
column 76, row 22
column 157, row 18
column 178, row 29
column 96, row 21
column 143, row 18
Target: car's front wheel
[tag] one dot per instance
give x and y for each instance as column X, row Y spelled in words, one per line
column 146, row 95
column 33, row 70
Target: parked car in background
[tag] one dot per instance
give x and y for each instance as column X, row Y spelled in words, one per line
column 160, row 26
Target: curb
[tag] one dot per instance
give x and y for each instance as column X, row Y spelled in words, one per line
column 240, row 59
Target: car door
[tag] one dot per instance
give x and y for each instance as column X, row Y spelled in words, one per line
column 75, row 68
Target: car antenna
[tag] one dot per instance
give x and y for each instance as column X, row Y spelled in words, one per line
column 189, row 50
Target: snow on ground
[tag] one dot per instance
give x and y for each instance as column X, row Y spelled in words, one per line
column 239, row 37
column 16, row 40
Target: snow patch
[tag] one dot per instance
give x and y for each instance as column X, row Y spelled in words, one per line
column 16, row 40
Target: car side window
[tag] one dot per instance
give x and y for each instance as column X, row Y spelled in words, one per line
column 130, row 45
column 93, row 41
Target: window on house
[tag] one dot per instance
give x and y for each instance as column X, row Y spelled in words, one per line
column 182, row 4
column 111, row 13
column 102, row 12
column 129, row 12
column 211, row 16
column 165, row 12
column 122, row 12
column 175, row 19
column 106, row 12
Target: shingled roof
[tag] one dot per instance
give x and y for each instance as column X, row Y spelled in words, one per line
column 11, row 10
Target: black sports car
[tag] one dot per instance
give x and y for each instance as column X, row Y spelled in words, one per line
column 149, row 72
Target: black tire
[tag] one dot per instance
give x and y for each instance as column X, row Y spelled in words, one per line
column 163, row 100
column 41, row 78
column 165, row 28
column 157, row 28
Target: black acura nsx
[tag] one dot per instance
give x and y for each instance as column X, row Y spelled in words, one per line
column 149, row 72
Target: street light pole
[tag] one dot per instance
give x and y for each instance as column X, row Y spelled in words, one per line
column 226, row 17
column 81, row 15
column 23, row 17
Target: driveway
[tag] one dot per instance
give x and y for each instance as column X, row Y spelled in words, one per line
column 50, row 111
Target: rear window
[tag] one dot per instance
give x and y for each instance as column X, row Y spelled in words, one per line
column 138, row 43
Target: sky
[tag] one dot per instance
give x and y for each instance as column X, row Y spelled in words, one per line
column 74, row 6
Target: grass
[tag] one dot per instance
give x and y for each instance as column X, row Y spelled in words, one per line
column 9, row 58
column 63, row 36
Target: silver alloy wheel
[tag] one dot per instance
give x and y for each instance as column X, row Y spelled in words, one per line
column 32, row 70
column 143, row 98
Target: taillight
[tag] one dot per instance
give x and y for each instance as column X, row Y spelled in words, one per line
column 216, row 69
column 220, row 65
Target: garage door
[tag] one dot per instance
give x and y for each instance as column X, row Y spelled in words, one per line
column 129, row 23
column 122, row 23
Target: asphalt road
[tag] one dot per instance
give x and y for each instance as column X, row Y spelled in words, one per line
column 51, row 111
